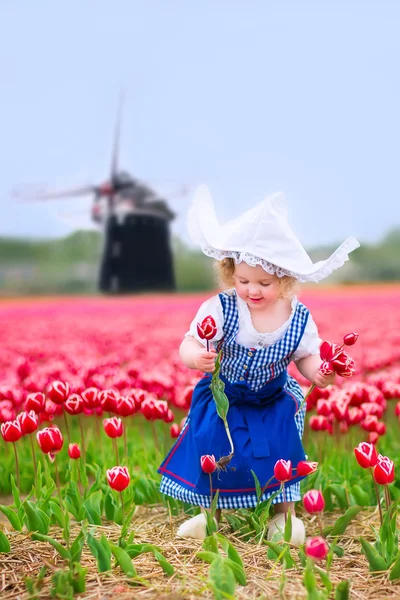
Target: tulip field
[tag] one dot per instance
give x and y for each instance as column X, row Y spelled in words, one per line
column 93, row 395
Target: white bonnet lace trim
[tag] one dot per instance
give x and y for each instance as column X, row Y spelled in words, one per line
column 335, row 261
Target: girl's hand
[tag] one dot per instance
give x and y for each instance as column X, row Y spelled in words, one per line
column 205, row 361
column 322, row 381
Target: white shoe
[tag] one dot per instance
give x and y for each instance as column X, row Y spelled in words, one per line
column 277, row 525
column 196, row 527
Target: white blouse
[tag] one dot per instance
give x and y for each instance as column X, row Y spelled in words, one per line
column 248, row 336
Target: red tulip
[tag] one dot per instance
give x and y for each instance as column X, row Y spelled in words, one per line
column 113, row 427
column 124, row 406
column 50, row 439
column 207, row 329
column 74, row 451
column 11, row 431
column 174, row 430
column 148, row 409
column 74, row 404
column 36, row 402
column 384, row 470
column 90, row 397
column 208, row 463
column 283, row 470
column 373, row 437
column 350, row 338
column 306, row 467
column 29, row 422
column 316, row 548
column 169, row 416
column 313, row 501
column 109, row 400
column 380, row 428
column 58, row 391
column 366, row 455
column 118, row 478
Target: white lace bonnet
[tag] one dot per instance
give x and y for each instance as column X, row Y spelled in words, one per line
column 260, row 236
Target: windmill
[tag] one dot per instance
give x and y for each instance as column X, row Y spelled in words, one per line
column 136, row 253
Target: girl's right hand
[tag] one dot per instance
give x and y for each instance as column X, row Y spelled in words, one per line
column 205, row 361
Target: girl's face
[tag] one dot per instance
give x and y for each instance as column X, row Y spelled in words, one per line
column 255, row 286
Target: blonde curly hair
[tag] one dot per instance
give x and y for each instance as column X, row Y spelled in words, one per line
column 225, row 270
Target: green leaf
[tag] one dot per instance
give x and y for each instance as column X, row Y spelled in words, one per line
column 222, row 578
column 164, row 564
column 288, row 527
column 99, row 552
column 340, row 492
column 342, row 522
column 258, row 486
column 15, row 492
column 56, row 511
column 324, row 578
column 4, row 543
column 79, row 578
column 342, row 591
column 376, row 562
column 34, row 518
column 309, row 580
column 395, row 569
column 109, row 506
column 218, row 391
column 230, row 550
column 77, row 546
column 62, row 551
column 282, row 552
column 210, row 543
column 124, row 560
column 12, row 517
column 360, row 496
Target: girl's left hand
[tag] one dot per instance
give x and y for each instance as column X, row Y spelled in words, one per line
column 322, row 381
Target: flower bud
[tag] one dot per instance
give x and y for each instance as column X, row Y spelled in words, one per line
column 316, row 548
column 74, row 451
column 313, row 501
column 208, row 463
column 350, row 338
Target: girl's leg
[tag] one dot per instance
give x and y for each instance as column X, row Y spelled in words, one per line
column 285, row 507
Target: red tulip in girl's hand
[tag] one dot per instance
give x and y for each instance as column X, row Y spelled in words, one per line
column 208, row 463
column 74, row 451
column 313, row 502
column 118, row 478
column 207, row 329
column 334, row 360
column 306, row 467
column 366, row 455
column 283, row 470
column 316, row 548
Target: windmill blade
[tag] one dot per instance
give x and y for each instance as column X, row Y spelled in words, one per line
column 117, row 139
column 44, row 195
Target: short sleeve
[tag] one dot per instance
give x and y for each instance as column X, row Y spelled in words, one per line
column 310, row 342
column 212, row 307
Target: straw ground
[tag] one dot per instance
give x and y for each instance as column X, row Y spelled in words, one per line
column 154, row 525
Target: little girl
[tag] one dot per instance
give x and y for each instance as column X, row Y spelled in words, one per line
column 261, row 328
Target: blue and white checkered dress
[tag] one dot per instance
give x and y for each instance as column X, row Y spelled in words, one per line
column 263, row 401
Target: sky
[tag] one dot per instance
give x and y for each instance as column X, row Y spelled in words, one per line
column 247, row 96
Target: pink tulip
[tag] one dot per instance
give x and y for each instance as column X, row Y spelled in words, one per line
column 118, row 478
column 208, row 463
column 316, row 548
column 313, row 501
column 283, row 470
column 366, row 455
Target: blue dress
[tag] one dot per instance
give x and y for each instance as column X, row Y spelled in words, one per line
column 263, row 400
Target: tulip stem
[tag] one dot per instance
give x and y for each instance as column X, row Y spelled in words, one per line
column 16, row 465
column 208, row 346
column 125, row 443
column 387, row 497
column 66, row 426
column 82, row 439
column 211, row 497
column 34, row 460
column 378, row 498
column 312, row 388
column 116, row 450
column 284, row 500
column 154, row 431
column 122, row 507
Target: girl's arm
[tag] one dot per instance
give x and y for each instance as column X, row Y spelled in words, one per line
column 309, row 368
column 195, row 356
